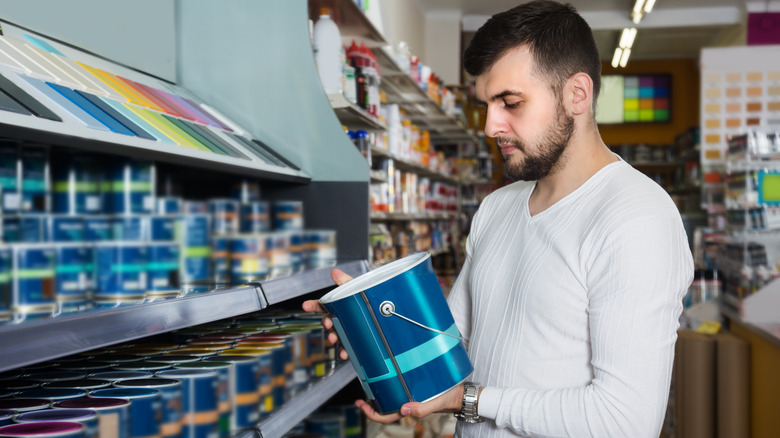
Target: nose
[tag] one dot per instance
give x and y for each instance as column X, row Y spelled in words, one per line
column 494, row 125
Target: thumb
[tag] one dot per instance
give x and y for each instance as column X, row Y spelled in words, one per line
column 339, row 276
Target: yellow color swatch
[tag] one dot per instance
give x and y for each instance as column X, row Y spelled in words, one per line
column 755, row 76
column 712, row 123
column 149, row 118
column 712, row 93
column 100, row 74
column 712, row 139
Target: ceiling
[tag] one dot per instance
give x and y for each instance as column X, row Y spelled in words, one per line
column 674, row 29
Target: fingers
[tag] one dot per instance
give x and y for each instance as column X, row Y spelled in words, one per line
column 372, row 415
column 339, row 276
column 313, row 306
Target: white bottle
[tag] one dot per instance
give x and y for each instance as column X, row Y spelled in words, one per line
column 327, row 52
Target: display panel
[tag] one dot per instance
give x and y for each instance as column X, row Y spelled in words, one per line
column 634, row 99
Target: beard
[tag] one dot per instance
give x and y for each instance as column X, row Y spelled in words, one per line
column 550, row 149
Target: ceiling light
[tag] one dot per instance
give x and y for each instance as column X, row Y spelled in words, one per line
column 636, row 17
column 648, row 6
column 616, row 57
column 624, row 57
column 627, row 38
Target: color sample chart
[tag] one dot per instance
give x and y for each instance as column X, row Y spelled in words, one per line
column 740, row 91
column 37, row 80
column 634, row 99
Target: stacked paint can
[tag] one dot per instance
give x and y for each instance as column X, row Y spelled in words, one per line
column 193, row 232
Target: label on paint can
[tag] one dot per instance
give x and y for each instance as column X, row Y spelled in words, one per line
column 6, row 267
column 249, row 258
column 288, row 215
column 35, row 179
column 128, row 188
column 162, row 265
column 33, row 274
column 70, row 271
column 120, row 268
column 58, row 228
column 97, row 228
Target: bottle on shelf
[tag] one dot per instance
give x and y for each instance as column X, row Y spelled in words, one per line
column 327, row 52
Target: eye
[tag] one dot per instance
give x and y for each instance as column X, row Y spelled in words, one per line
column 512, row 104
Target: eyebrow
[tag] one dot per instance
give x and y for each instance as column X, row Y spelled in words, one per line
column 501, row 95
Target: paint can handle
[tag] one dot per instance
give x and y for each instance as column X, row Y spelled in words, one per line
column 387, row 309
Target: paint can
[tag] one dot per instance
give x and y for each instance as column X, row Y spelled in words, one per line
column 224, row 402
column 255, row 217
column 127, row 228
column 145, row 366
column 83, row 384
column 118, row 376
column 249, row 259
column 23, row 229
column 264, row 362
column 18, row 385
column 97, row 228
column 121, row 269
column 76, row 188
column 53, row 394
column 193, row 232
column 36, row 179
column 128, row 188
column 195, row 207
column 325, row 424
column 220, row 258
column 159, row 228
column 71, row 276
column 246, row 192
column 7, row 416
column 200, row 415
column 10, row 178
column 421, row 354
column 162, row 266
column 145, row 408
column 297, row 251
column 55, row 376
column 170, row 390
column 353, row 419
column 276, row 377
column 20, row 405
column 86, row 417
column 279, row 260
column 322, row 248
column 243, row 389
column 224, row 216
column 169, row 205
column 62, row 228
column 33, row 274
column 288, row 215
column 6, row 268
column 58, row 429
column 113, row 414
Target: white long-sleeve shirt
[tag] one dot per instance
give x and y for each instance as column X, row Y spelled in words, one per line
column 571, row 314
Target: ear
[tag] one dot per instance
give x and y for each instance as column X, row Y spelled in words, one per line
column 579, row 93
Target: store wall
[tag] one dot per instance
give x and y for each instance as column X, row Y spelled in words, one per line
column 684, row 102
column 137, row 33
column 442, row 45
column 402, row 20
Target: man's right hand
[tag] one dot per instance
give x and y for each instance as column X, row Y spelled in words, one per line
column 339, row 277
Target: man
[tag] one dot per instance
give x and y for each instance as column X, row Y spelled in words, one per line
column 574, row 275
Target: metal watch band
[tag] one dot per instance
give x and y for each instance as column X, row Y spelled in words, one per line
column 468, row 412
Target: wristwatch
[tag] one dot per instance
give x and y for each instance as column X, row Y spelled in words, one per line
column 468, row 410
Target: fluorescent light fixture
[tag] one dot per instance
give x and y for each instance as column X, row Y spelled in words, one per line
column 638, row 4
column 648, row 6
column 616, row 57
column 636, row 17
column 624, row 57
column 627, row 37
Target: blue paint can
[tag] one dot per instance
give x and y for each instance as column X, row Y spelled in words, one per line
column 224, row 402
column 195, row 207
column 242, row 388
column 6, row 268
column 255, row 217
column 169, row 205
column 325, row 424
column 420, row 354
column 170, row 391
column 353, row 419
column 71, row 274
column 121, row 269
column 57, row 228
column 297, row 251
column 288, row 215
column 146, row 366
column 10, row 177
column 113, row 413
column 322, row 248
column 128, row 188
column 117, row 376
column 249, row 257
column 160, row 228
column 200, row 415
column 35, row 179
column 19, row 385
column 83, row 384
column 145, row 408
column 55, row 376
column 23, row 229
column 127, row 228
column 220, row 257
column 58, row 429
column 193, row 234
column 76, row 188
column 53, row 394
column 97, row 228
column 86, row 417
column 33, row 281
column 162, row 266
column 224, row 216
column 279, row 260
column 246, row 192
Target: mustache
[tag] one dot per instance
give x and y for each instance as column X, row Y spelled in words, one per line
column 510, row 141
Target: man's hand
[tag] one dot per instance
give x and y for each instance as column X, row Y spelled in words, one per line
column 450, row 402
column 339, row 277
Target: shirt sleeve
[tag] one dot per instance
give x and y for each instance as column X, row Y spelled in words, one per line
column 636, row 281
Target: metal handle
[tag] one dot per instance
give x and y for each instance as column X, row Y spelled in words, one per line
column 387, row 308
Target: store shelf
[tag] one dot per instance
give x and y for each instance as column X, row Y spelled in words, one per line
column 45, row 339
column 353, row 116
column 353, row 23
column 408, row 166
column 389, row 217
column 303, row 404
column 377, row 177
column 476, row 182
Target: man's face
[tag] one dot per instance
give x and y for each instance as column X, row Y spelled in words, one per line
column 527, row 119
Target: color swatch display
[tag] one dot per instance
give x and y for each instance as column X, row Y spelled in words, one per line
column 634, row 99
column 740, row 92
column 35, row 77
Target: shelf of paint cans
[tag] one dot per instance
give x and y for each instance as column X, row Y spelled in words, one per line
column 54, row 94
column 40, row 340
column 349, row 114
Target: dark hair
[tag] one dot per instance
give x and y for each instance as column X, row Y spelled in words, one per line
column 558, row 38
